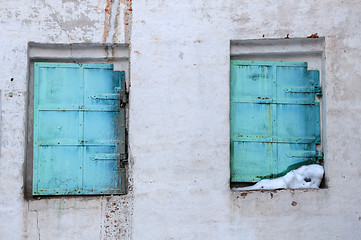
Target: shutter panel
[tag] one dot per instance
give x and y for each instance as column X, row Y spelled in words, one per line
column 297, row 117
column 274, row 118
column 79, row 129
column 251, row 122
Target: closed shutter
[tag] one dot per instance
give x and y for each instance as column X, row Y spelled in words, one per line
column 274, row 119
column 79, row 129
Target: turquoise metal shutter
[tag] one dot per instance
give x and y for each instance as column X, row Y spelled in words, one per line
column 79, row 129
column 274, row 119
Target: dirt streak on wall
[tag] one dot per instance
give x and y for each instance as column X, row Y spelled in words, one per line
column 107, row 13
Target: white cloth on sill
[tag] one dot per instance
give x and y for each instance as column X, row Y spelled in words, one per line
column 309, row 176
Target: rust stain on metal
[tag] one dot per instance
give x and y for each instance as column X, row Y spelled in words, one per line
column 271, row 194
column 293, row 203
column 263, row 98
column 315, row 35
column 288, row 36
column 137, row 52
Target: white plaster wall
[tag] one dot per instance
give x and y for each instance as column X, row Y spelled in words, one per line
column 180, row 65
column 178, row 121
column 51, row 22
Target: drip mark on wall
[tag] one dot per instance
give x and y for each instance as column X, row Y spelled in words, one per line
column 107, row 13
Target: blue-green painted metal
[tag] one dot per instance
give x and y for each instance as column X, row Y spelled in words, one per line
column 79, row 140
column 274, row 119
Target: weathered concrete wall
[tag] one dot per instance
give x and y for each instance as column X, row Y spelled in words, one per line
column 178, row 121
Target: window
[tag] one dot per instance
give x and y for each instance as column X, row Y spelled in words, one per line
column 274, row 118
column 79, row 129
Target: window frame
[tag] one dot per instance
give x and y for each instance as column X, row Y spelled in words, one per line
column 83, row 53
column 310, row 50
column 316, row 120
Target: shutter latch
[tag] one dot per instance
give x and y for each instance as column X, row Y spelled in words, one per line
column 108, row 156
column 306, row 154
column 122, row 158
column 109, row 96
column 316, row 90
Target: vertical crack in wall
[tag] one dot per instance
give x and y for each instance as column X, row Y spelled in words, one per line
column 128, row 15
column 113, row 25
column 37, row 223
column 113, row 21
column 27, row 234
column 101, row 219
column 107, row 15
column 117, row 27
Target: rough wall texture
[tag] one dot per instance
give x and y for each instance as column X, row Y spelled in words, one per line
column 52, row 22
column 178, row 121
